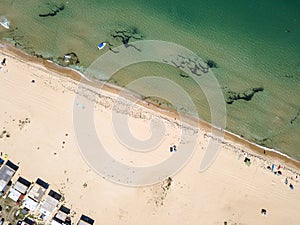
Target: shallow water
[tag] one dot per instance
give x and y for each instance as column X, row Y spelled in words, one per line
column 254, row 43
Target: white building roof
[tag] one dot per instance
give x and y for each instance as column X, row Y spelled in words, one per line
column 81, row 222
column 6, row 173
column 14, row 194
column 20, row 187
column 37, row 192
column 48, row 206
column 53, row 222
column 30, row 204
column 61, row 216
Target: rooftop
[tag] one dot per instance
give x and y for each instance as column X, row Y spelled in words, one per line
column 24, row 181
column 22, row 185
column 28, row 221
column 42, row 183
column 85, row 220
column 61, row 216
column 14, row 194
column 30, row 204
column 55, row 195
column 64, row 209
column 6, row 173
column 49, row 204
column 11, row 165
column 38, row 190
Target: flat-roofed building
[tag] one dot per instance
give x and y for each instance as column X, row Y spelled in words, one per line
column 48, row 206
column 26, row 221
column 62, row 217
column 85, row 220
column 35, row 195
column 7, row 171
column 19, row 189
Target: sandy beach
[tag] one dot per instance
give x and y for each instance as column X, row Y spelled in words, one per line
column 37, row 101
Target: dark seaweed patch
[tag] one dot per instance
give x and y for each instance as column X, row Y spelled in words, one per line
column 127, row 34
column 295, row 117
column 54, row 9
column 193, row 65
column 247, row 95
column 211, row 63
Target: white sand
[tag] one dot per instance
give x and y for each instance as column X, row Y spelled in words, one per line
column 228, row 191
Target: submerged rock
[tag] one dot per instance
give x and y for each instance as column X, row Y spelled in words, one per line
column 54, row 9
column 126, row 34
column 211, row 64
column 247, row 95
column 193, row 65
column 295, row 117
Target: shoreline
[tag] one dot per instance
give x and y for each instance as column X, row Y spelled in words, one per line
column 37, row 113
column 168, row 112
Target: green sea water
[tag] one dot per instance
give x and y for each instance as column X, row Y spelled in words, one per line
column 255, row 44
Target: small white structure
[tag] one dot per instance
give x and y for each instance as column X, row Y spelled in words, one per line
column 62, row 217
column 6, row 173
column 19, row 189
column 35, row 195
column 14, row 195
column 48, row 206
column 26, row 221
column 85, row 220
column 30, row 204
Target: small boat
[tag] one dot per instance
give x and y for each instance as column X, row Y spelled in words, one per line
column 4, row 22
column 101, row 45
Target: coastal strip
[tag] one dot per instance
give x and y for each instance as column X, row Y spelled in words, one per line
column 242, row 185
column 79, row 77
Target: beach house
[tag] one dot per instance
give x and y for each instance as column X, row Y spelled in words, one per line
column 48, row 206
column 26, row 221
column 62, row 217
column 7, row 171
column 85, row 220
column 35, row 195
column 19, row 190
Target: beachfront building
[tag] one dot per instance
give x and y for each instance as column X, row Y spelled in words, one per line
column 85, row 220
column 48, row 206
column 26, row 221
column 7, row 171
column 62, row 217
column 35, row 195
column 19, row 190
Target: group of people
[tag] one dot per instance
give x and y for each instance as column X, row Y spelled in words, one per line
column 278, row 172
column 173, row 148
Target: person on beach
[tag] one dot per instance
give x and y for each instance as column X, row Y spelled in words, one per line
column 3, row 63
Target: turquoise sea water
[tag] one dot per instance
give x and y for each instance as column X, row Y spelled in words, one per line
column 255, row 43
